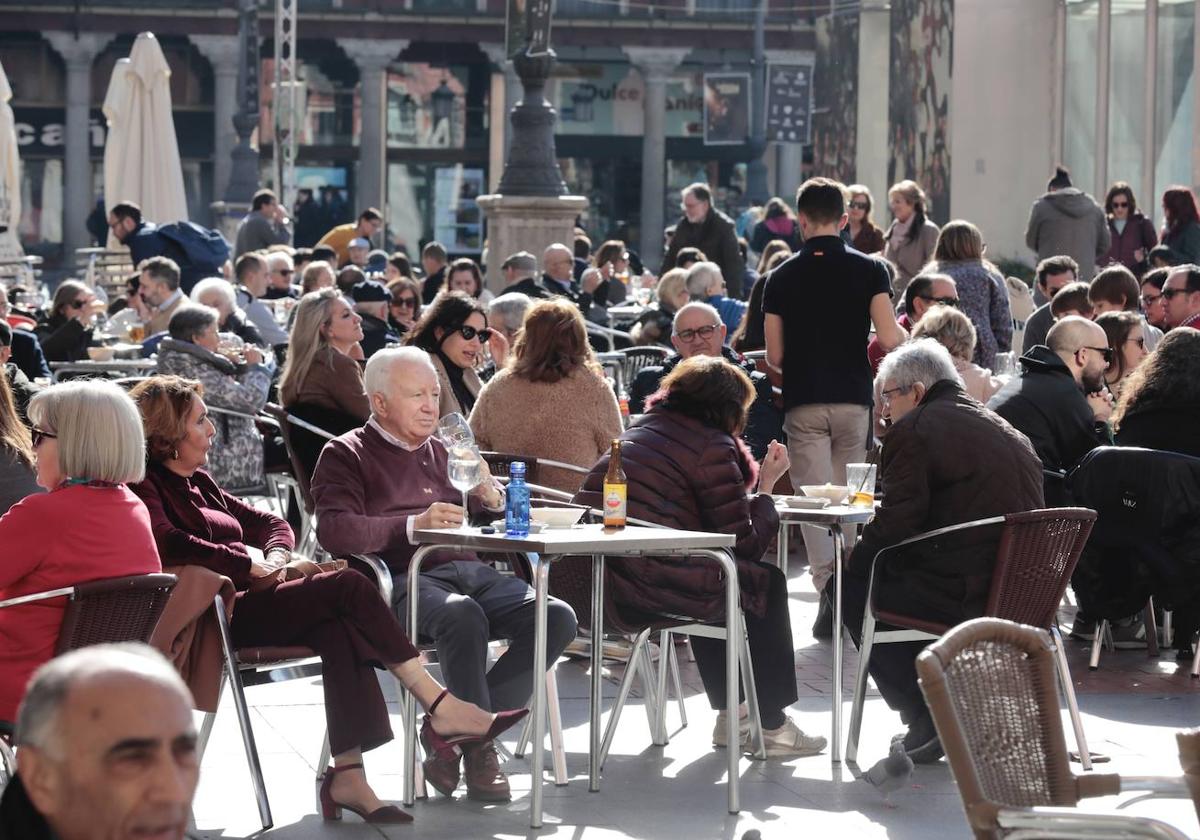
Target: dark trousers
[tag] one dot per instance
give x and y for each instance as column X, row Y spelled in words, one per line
column 462, row 606
column 340, row 616
column 771, row 656
column 893, row 666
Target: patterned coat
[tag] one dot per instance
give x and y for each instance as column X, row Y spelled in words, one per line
column 236, row 459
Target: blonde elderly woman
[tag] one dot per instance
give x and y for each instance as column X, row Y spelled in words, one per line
column 87, row 442
column 655, row 324
column 234, row 379
column 220, row 294
column 317, row 275
column 553, row 368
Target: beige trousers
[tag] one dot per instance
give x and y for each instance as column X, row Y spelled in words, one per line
column 822, row 438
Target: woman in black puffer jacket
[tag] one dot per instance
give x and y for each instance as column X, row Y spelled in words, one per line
column 687, row 468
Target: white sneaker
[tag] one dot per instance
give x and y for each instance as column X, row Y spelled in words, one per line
column 720, row 730
column 788, row 741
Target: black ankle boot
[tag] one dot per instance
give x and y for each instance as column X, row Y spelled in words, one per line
column 823, row 627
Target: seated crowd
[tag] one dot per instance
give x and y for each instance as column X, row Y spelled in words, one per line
column 895, row 342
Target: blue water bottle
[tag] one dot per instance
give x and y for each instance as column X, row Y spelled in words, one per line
column 516, row 508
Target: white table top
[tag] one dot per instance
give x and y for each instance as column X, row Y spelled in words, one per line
column 111, row 364
column 581, row 539
column 833, row 514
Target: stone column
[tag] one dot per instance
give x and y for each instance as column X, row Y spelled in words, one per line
column 874, row 57
column 78, row 52
column 656, row 65
column 373, row 58
column 789, row 160
column 222, row 53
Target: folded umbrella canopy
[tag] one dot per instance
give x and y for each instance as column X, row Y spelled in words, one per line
column 141, row 155
column 10, row 174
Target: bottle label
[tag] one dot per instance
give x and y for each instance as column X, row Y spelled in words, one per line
column 614, row 504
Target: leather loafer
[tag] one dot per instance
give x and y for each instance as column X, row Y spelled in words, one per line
column 481, row 771
column 443, row 774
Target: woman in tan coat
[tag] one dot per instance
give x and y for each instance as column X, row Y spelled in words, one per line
column 552, row 401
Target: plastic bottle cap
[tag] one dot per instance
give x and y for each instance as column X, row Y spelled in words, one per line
column 516, row 468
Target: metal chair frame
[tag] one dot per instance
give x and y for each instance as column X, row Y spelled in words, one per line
column 919, row 630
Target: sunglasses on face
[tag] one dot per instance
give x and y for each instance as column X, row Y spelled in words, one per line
column 1119, row 204
column 287, row 272
column 860, row 205
column 704, row 332
column 945, row 301
column 78, row 304
column 406, row 302
column 1106, row 352
column 1170, row 293
column 469, row 332
column 38, row 435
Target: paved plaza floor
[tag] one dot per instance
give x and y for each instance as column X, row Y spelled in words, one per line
column 1131, row 708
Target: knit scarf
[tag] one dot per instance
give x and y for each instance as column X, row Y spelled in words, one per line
column 781, row 225
column 900, row 229
column 466, row 400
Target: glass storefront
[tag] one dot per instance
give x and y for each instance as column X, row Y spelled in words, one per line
column 1126, row 94
column 1079, row 106
column 1175, row 96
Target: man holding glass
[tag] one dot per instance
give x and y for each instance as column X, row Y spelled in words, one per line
column 375, row 486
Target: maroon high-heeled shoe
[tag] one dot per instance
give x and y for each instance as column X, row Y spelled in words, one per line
column 331, row 809
column 449, row 747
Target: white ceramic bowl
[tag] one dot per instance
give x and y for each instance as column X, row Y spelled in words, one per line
column 835, row 493
column 805, row 502
column 555, row 517
column 100, row 354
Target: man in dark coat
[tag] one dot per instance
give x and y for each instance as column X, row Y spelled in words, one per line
column 1047, row 401
column 22, row 389
column 946, row 460
column 698, row 331
column 371, row 301
column 703, row 226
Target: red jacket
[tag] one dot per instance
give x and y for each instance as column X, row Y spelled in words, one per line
column 74, row 535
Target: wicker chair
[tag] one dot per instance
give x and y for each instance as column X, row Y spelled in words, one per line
column 124, row 609
column 990, row 686
column 1035, row 551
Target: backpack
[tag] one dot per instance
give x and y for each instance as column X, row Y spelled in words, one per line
column 205, row 249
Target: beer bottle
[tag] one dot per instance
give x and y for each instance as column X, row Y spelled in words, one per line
column 615, row 490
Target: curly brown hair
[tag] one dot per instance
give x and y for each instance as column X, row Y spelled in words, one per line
column 165, row 402
column 1169, row 376
column 553, row 343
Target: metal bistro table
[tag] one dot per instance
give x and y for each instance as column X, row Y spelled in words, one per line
column 551, row 545
column 835, row 518
column 128, row 367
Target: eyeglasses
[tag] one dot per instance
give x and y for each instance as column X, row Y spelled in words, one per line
column 406, row 302
column 860, row 205
column 1117, row 204
column 1106, row 352
column 887, row 393
column 945, row 301
column 39, row 435
column 1140, row 342
column 1150, row 300
column 704, row 332
column 468, row 332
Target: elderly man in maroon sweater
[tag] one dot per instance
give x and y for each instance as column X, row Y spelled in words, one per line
column 373, row 486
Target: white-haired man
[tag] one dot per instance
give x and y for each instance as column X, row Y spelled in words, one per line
column 705, row 283
column 221, row 295
column 372, row 487
column 281, row 274
column 946, row 460
column 107, row 749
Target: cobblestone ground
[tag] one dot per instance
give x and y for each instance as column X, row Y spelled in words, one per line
column 1131, row 707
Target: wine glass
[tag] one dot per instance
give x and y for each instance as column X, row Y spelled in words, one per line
column 463, row 467
column 453, row 430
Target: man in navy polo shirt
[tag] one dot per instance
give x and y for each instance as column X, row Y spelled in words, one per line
column 819, row 307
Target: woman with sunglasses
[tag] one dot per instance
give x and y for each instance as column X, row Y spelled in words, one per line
column 1131, row 232
column 322, row 368
column 65, row 331
column 1127, row 341
column 87, row 446
column 1159, row 406
column 865, row 235
column 405, row 309
column 453, row 331
column 982, row 292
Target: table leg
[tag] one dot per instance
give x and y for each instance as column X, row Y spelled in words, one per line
column 733, row 635
column 835, row 744
column 782, row 547
column 541, row 573
column 594, row 708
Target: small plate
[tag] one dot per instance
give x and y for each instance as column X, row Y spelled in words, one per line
column 805, row 502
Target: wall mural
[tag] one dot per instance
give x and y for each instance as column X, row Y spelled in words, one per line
column 835, row 97
column 919, row 98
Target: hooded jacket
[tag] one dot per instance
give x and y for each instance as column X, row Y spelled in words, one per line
column 1069, row 221
column 1048, row 406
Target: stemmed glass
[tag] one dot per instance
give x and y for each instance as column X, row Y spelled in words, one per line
column 463, row 463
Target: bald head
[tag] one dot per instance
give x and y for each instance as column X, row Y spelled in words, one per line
column 559, row 262
column 1082, row 345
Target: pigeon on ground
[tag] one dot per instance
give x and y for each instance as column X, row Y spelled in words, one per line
column 890, row 773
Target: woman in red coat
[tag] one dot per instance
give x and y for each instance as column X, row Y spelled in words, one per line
column 87, row 438
column 687, row 468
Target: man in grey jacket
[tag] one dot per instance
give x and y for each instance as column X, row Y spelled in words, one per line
column 1068, row 221
column 265, row 225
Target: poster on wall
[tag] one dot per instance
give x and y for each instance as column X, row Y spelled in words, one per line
column 596, row 99
column 789, row 103
column 726, row 108
column 457, row 220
